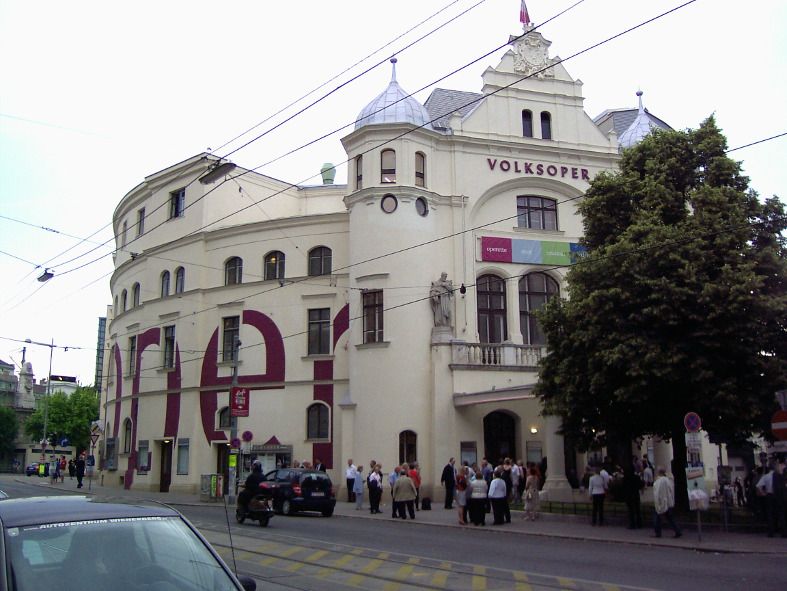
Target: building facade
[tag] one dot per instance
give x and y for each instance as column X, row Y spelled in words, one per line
column 390, row 318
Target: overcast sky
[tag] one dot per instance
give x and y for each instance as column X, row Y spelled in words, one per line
column 96, row 96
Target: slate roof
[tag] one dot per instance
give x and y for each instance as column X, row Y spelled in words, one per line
column 442, row 103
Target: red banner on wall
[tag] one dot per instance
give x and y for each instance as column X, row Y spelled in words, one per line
column 239, row 402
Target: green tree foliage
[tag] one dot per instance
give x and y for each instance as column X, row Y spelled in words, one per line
column 69, row 416
column 680, row 305
column 8, row 430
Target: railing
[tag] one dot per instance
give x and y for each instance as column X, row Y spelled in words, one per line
column 507, row 354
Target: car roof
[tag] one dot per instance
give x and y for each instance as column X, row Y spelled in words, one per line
column 59, row 509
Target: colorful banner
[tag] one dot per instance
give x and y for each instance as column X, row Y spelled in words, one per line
column 531, row 252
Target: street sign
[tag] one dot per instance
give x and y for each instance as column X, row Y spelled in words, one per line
column 239, row 402
column 94, row 438
column 779, row 424
column 692, row 422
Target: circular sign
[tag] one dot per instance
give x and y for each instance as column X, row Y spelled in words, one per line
column 779, row 425
column 692, row 422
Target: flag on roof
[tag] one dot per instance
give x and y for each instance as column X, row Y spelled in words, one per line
column 524, row 17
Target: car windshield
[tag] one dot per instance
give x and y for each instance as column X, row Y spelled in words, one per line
column 155, row 553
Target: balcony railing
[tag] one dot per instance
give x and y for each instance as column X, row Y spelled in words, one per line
column 496, row 354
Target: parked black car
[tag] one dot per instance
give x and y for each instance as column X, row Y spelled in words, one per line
column 32, row 469
column 298, row 489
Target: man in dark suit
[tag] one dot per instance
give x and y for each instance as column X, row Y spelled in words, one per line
column 318, row 465
column 448, row 479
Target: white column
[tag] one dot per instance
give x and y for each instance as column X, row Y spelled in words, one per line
column 556, row 482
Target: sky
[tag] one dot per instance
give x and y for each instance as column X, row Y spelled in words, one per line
column 96, row 95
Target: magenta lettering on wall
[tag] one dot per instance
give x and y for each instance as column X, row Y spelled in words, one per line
column 538, row 168
column 495, row 249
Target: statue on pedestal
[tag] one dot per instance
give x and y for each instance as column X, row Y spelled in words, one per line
column 441, row 293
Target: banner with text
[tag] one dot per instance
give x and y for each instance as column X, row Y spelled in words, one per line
column 533, row 252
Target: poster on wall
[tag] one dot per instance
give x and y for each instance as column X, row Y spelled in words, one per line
column 533, row 252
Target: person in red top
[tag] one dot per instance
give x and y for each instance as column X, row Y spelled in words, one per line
column 415, row 476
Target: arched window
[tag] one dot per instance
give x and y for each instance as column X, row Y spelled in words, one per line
column 420, row 169
column 408, row 447
column 123, row 300
column 491, row 294
column 320, row 261
column 358, row 172
column 225, row 420
column 274, row 265
column 127, row 436
column 233, row 271
column 387, row 166
column 527, row 123
column 536, row 213
column 135, row 295
column 546, row 125
column 165, row 284
column 535, row 290
column 317, row 421
column 180, row 280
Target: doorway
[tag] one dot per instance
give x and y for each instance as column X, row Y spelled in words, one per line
column 499, row 437
column 222, row 466
column 166, row 466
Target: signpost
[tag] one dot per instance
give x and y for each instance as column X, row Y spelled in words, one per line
column 695, row 469
column 95, row 433
column 779, row 425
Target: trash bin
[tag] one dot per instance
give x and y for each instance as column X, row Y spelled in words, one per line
column 211, row 487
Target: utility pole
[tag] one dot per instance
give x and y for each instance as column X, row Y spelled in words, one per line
column 232, row 457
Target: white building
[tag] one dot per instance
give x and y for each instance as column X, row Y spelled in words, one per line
column 328, row 290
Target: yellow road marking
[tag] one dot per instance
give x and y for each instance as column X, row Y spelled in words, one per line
column 295, row 566
column 371, row 566
column 440, row 578
column 291, row 551
column 413, row 560
column 343, row 560
column 391, row 586
column 316, row 556
column 523, row 587
column 566, row 582
column 357, row 551
column 404, row 571
column 611, row 587
column 384, row 555
column 268, row 561
column 356, row 580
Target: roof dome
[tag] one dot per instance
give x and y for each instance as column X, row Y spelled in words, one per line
column 639, row 128
column 393, row 106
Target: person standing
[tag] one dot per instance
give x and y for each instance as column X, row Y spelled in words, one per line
column 779, row 483
column 349, row 475
column 61, row 471
column 318, row 465
column 80, row 469
column 497, row 496
column 375, row 484
column 477, row 502
column 404, row 493
column 531, row 494
column 597, row 489
column 415, row 476
column 392, row 478
column 358, row 488
column 663, row 502
column 632, row 487
column 448, row 479
column 72, row 468
column 461, row 497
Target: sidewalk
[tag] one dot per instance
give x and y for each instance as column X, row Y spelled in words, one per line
column 550, row 525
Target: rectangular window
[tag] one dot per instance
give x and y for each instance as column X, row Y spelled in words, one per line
column 536, row 213
column 320, row 331
column 169, row 347
column 534, row 452
column 111, row 456
column 143, row 455
column 132, row 355
column 231, row 338
column 177, row 202
column 372, row 315
column 420, row 169
column 140, row 222
column 358, row 173
column 183, row 456
column 124, row 234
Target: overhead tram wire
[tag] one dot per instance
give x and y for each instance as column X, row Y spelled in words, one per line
column 399, row 251
column 293, row 185
column 165, row 203
column 773, row 137
column 348, row 69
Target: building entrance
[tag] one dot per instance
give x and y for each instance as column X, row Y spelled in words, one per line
column 499, row 437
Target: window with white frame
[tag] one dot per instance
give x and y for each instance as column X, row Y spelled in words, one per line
column 183, row 456
column 136, row 291
column 317, row 421
column 320, row 261
column 420, row 169
column 177, row 202
column 132, row 355
column 180, row 280
column 274, row 265
column 169, row 347
column 143, row 455
column 387, row 166
column 230, row 338
column 536, row 213
column 535, row 290
column 140, row 221
column 233, row 271
column 127, row 436
column 319, row 331
column 165, row 284
column 372, row 301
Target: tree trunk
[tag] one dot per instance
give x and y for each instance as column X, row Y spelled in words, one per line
column 679, row 470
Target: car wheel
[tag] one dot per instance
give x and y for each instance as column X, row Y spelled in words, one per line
column 240, row 515
column 327, row 512
column 287, row 508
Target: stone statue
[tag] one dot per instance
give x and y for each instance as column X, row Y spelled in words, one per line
column 442, row 292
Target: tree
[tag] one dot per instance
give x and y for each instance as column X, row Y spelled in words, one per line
column 69, row 417
column 679, row 306
column 8, row 430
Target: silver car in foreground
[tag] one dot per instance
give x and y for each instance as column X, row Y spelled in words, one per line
column 75, row 542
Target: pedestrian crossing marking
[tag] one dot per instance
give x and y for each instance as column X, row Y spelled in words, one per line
column 391, row 586
column 384, row 555
column 567, row 583
column 371, row 566
column 479, row 579
column 295, row 566
column 290, row 551
column 343, row 560
column 520, row 576
column 404, row 571
column 358, row 551
column 269, row 560
column 440, row 578
column 611, row 587
column 523, row 587
column 413, row 560
column 356, row 580
column 316, row 556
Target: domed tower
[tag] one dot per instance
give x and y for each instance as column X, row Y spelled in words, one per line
column 395, row 202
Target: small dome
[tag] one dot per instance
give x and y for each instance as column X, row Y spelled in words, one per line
column 393, row 106
column 639, row 128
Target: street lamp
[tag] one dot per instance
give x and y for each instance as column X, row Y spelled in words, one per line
column 46, row 396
